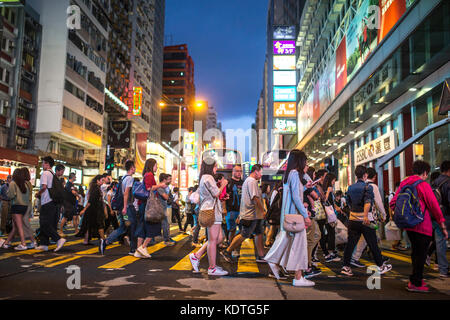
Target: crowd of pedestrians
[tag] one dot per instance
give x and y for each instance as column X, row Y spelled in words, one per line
column 291, row 222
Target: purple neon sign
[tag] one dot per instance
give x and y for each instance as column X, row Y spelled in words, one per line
column 284, row 47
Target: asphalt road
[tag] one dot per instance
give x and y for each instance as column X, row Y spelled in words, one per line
column 167, row 275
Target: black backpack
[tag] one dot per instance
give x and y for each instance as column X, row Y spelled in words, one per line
column 274, row 212
column 57, row 190
column 438, row 194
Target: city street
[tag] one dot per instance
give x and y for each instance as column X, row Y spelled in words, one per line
column 168, row 275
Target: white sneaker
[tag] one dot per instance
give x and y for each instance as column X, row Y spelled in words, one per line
column 384, row 268
column 275, row 270
column 302, row 283
column 217, row 271
column 42, row 247
column 20, row 247
column 59, row 244
column 137, row 254
column 195, row 262
column 144, row 252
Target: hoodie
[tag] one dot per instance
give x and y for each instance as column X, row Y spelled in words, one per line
column 428, row 204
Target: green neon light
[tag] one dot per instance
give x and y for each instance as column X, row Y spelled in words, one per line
column 116, row 100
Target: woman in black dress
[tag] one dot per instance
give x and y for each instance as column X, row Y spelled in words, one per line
column 95, row 214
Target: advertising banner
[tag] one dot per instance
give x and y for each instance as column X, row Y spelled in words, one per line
column 284, row 32
column 327, row 85
column 141, row 151
column 189, row 147
column 119, row 134
column 375, row 148
column 283, row 62
column 391, row 12
column 316, row 103
column 4, row 172
column 284, row 94
column 284, row 126
column 284, row 78
column 137, row 101
column 284, row 47
column 341, row 67
column 284, row 109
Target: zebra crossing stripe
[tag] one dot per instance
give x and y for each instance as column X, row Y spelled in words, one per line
column 33, row 251
column 397, row 256
column 67, row 258
column 325, row 270
column 390, row 273
column 185, row 263
column 247, row 262
column 124, row 261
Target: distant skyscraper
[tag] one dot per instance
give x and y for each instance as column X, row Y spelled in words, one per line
column 211, row 122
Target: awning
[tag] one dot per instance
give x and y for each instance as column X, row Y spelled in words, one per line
column 17, row 156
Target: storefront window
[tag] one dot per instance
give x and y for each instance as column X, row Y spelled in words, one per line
column 441, row 144
column 420, row 115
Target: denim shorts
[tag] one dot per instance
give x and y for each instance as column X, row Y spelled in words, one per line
column 231, row 219
column 256, row 227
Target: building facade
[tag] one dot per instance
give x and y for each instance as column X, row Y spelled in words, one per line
column 364, row 88
column 179, row 88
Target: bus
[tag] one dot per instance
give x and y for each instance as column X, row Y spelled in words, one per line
column 226, row 159
column 274, row 165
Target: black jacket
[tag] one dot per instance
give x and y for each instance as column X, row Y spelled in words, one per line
column 444, row 182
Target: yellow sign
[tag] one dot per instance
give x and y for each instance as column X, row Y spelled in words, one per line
column 137, row 101
column 284, row 109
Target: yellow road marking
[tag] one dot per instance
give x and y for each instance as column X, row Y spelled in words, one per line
column 392, row 272
column 397, row 256
column 185, row 263
column 66, row 258
column 247, row 261
column 325, row 270
column 33, row 251
column 119, row 263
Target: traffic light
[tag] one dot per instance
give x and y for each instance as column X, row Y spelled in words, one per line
column 109, row 160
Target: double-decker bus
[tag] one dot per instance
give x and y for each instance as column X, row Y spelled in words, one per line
column 274, row 164
column 226, row 159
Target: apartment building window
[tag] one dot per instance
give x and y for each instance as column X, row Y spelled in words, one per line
column 92, row 127
column 91, row 103
column 174, row 65
column 77, row 92
column 72, row 116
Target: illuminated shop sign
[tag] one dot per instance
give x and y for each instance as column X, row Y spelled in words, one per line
column 283, row 62
column 284, row 78
column 284, row 94
column 284, row 126
column 137, row 101
column 284, row 32
column 284, row 109
column 284, row 47
column 375, row 148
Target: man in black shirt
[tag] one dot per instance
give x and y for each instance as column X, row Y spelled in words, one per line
column 70, row 202
column 234, row 191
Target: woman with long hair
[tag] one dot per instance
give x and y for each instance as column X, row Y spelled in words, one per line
column 28, row 231
column 94, row 214
column 291, row 250
column 328, row 239
column 209, row 198
column 19, row 193
column 147, row 231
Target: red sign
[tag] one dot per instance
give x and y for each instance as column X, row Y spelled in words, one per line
column 316, row 103
column 25, row 124
column 4, row 172
column 391, row 12
column 341, row 67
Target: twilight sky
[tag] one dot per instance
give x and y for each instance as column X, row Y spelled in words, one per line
column 226, row 40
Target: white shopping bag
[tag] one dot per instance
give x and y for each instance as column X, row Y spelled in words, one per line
column 392, row 232
column 341, row 233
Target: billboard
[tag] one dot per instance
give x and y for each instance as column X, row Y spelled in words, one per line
column 391, row 12
column 189, row 147
column 284, row 94
column 284, row 126
column 119, row 134
column 283, row 62
column 284, row 78
column 284, row 47
column 284, row 32
column 141, row 151
column 375, row 148
column 284, row 109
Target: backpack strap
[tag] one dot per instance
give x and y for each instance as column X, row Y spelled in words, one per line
column 415, row 184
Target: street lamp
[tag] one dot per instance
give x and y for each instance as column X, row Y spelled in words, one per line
column 198, row 105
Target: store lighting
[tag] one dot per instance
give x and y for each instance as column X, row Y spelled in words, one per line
column 352, row 132
column 413, row 89
column 376, row 115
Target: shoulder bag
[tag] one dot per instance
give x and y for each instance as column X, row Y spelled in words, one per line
column 293, row 222
column 154, row 211
column 207, row 217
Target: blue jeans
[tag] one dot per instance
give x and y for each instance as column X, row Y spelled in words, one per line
column 165, row 227
column 441, row 251
column 114, row 236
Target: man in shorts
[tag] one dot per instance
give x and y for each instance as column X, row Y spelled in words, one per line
column 234, row 191
column 251, row 216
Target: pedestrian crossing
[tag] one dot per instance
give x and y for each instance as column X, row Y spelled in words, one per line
column 246, row 263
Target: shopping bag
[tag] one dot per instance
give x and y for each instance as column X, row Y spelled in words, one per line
column 341, row 233
column 392, row 232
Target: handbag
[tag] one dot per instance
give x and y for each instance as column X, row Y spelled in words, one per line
column 139, row 191
column 154, row 210
column 320, row 211
column 294, row 223
column 331, row 215
column 207, row 217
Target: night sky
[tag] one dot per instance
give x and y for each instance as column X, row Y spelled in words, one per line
column 226, row 40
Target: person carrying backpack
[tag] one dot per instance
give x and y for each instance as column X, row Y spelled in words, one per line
column 441, row 189
column 420, row 233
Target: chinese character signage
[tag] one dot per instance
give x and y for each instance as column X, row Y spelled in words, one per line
column 284, row 126
column 284, row 47
column 189, row 149
column 284, row 94
column 137, row 101
column 284, row 109
column 284, row 32
column 283, row 62
column 375, row 148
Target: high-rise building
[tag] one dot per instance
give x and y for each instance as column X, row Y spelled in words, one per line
column 157, row 70
column 211, row 121
column 70, row 111
column 364, row 89
column 20, row 40
column 179, row 88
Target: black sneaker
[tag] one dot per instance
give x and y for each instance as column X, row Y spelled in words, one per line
column 356, row 263
column 312, row 272
column 332, row 257
column 227, row 256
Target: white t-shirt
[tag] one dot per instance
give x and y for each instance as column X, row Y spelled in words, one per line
column 127, row 182
column 47, row 179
